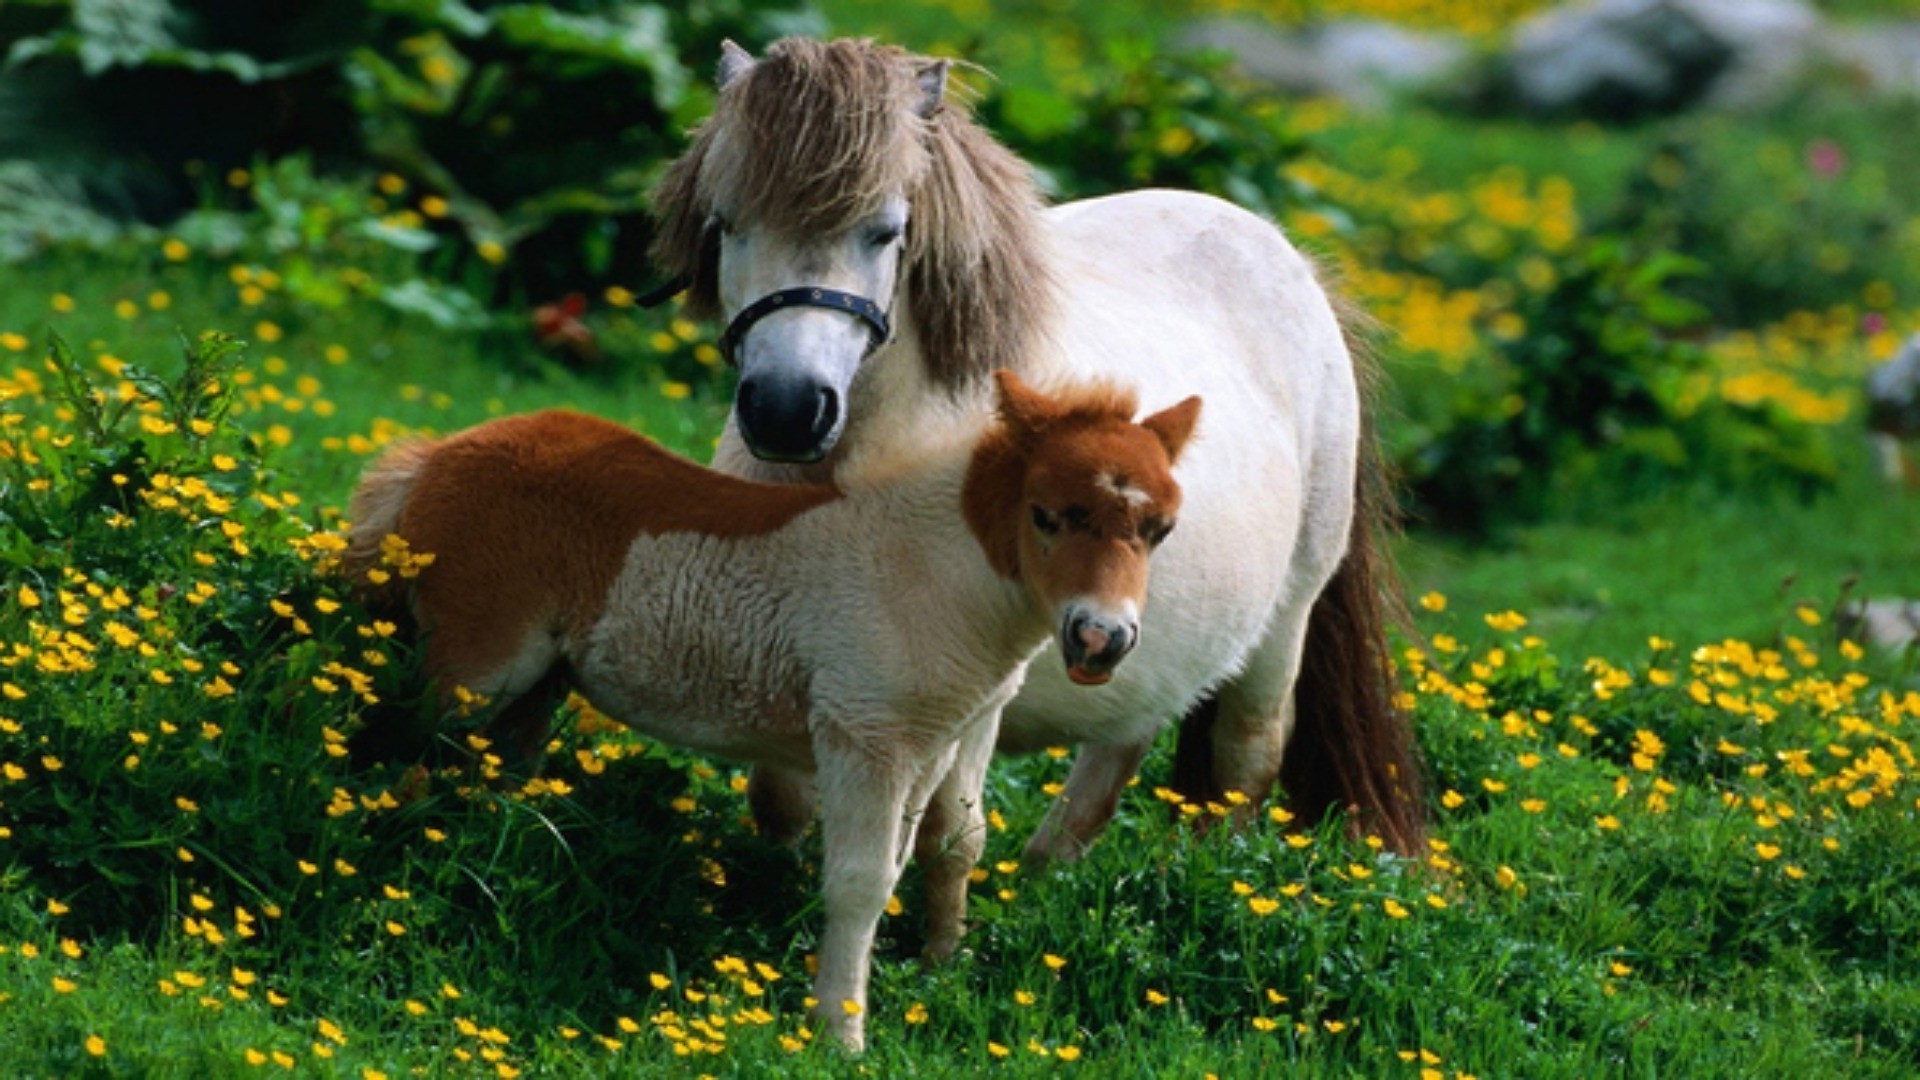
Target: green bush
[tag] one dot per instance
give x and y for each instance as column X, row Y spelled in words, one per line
column 1603, row 390
column 1148, row 118
column 538, row 125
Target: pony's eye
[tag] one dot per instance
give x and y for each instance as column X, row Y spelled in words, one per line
column 1045, row 520
column 1078, row 519
column 720, row 224
column 885, row 236
column 1156, row 532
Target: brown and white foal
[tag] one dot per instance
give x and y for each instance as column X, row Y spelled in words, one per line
column 862, row 635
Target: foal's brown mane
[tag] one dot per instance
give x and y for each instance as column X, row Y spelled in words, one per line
column 811, row 137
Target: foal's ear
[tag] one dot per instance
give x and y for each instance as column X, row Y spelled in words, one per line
column 1173, row 426
column 734, row 62
column 932, row 78
column 1023, row 409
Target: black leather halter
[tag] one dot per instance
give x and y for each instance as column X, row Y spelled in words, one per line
column 878, row 329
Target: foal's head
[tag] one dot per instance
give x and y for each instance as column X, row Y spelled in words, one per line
column 1069, row 496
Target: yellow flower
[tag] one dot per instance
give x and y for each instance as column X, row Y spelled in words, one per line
column 1395, row 909
column 1155, row 997
column 1054, row 963
column 1434, row 601
column 997, row 1050
column 1767, row 852
column 96, row 1046
column 1067, row 1053
column 1262, row 906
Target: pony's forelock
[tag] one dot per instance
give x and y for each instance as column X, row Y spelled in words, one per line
column 817, row 134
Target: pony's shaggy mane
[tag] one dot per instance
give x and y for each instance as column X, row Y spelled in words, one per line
column 814, row 135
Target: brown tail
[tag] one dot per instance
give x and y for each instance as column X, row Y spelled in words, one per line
column 1352, row 749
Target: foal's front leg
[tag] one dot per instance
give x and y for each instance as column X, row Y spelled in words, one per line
column 863, row 798
column 952, row 834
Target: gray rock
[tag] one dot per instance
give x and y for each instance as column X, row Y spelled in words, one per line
column 1881, row 58
column 1360, row 61
column 1892, row 624
column 1893, row 393
column 1626, row 58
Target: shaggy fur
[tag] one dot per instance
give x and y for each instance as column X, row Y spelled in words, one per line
column 862, row 638
column 815, row 134
column 1268, row 604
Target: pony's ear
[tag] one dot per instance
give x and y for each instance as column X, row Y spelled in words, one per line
column 734, row 62
column 1173, row 426
column 932, row 78
column 1023, row 410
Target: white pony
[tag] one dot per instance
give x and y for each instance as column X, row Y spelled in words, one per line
column 874, row 254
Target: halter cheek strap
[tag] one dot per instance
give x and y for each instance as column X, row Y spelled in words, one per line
column 878, row 329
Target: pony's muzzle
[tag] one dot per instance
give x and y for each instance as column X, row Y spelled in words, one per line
column 787, row 419
column 1094, row 643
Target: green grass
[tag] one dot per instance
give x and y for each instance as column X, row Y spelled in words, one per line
column 551, row 914
column 1633, row 881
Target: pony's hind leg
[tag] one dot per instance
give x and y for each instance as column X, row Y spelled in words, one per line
column 1086, row 805
column 782, row 802
column 1231, row 747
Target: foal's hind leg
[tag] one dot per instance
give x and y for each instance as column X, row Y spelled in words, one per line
column 1087, row 804
column 782, row 802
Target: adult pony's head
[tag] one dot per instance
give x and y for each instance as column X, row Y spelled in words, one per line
column 1069, row 496
column 834, row 200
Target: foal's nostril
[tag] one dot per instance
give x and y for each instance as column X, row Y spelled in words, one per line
column 1093, row 639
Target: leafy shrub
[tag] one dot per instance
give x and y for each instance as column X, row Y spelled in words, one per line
column 537, row 124
column 1154, row 119
column 1599, row 381
column 1801, row 222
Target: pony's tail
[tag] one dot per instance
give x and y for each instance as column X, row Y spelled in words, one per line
column 1352, row 747
column 375, row 512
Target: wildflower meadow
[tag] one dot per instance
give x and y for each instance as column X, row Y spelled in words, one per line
column 1675, row 810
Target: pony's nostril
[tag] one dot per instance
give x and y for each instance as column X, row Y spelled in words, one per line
column 826, row 413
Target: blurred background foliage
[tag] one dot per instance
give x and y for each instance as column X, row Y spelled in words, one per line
column 1666, row 302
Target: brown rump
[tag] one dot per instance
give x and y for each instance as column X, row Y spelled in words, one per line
column 533, row 515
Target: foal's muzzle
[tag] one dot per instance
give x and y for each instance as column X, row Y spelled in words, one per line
column 1093, row 644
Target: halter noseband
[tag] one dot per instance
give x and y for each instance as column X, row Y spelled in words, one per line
column 878, row 329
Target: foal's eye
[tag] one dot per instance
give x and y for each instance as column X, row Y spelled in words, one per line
column 1155, row 532
column 720, row 224
column 1045, row 520
column 884, row 236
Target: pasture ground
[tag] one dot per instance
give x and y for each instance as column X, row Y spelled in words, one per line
column 1674, row 817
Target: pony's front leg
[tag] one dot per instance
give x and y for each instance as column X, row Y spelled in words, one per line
column 952, row 834
column 863, row 798
column 1086, row 805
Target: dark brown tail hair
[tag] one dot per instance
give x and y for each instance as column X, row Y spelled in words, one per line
column 1352, row 748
